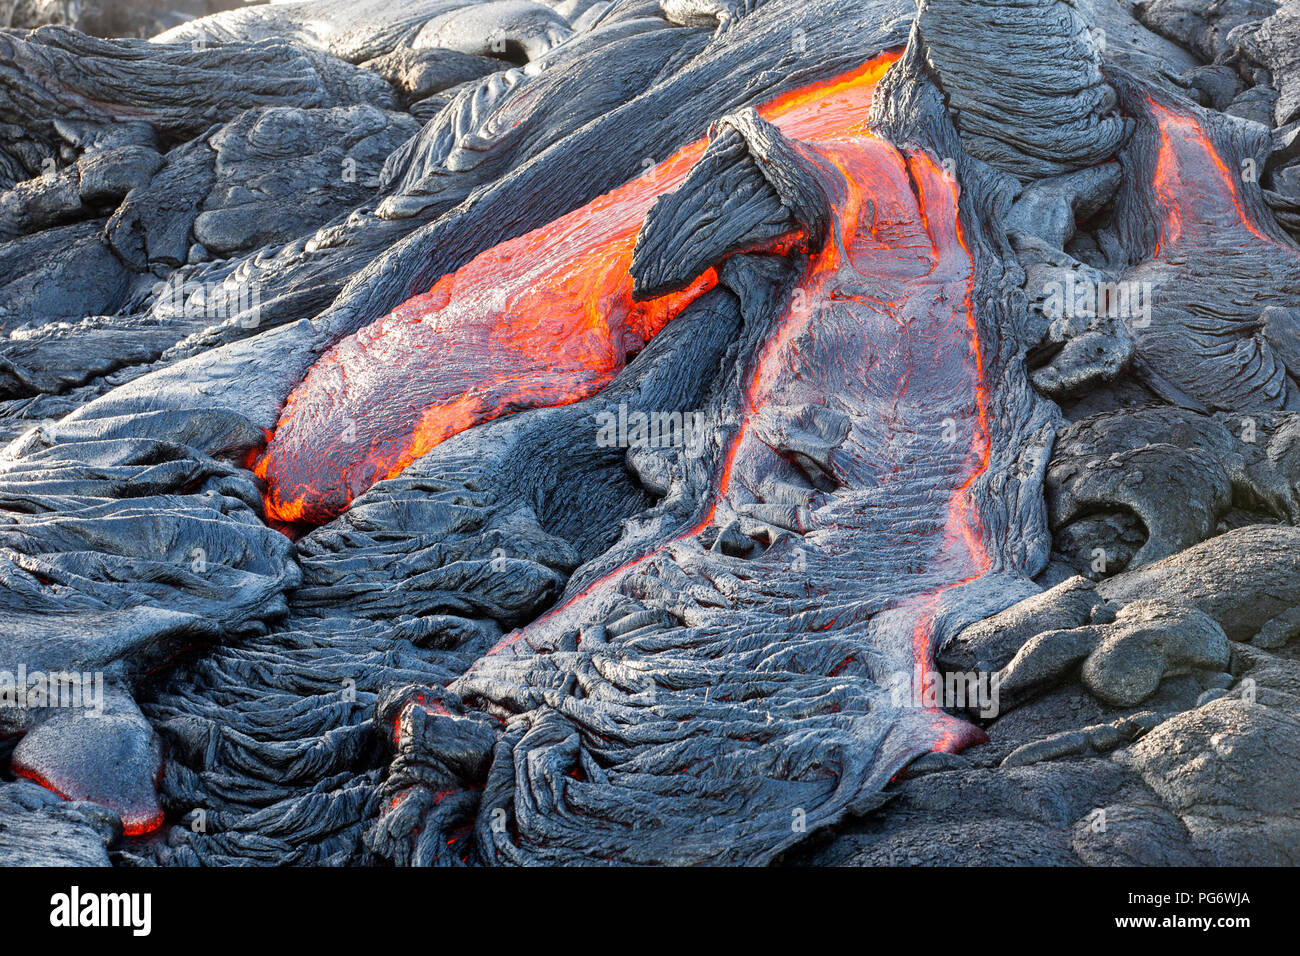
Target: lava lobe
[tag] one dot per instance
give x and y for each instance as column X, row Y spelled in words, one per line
column 544, row 319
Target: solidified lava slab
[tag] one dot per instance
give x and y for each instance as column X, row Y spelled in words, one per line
column 545, row 319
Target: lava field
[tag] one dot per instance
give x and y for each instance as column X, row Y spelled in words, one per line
column 651, row 432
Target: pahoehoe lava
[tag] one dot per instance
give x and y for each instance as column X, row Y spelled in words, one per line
column 972, row 328
column 544, row 319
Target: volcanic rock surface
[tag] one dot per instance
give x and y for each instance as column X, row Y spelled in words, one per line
column 462, row 433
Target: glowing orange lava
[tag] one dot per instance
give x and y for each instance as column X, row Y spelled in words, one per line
column 545, row 319
column 893, row 340
column 133, row 823
column 895, row 281
column 1191, row 176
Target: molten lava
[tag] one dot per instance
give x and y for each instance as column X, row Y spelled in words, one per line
column 1197, row 193
column 136, row 820
column 892, row 342
column 545, row 319
column 1211, row 346
column 880, row 339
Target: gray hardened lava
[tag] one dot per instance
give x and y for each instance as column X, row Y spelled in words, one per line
column 731, row 432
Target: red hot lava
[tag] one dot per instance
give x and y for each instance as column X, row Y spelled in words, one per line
column 893, row 343
column 545, row 319
column 137, row 819
column 1195, row 189
column 897, row 346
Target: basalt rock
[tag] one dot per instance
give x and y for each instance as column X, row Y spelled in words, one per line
column 518, row 29
column 991, row 644
column 418, row 74
column 40, row 828
column 1274, row 43
column 1122, row 662
column 1023, row 83
column 338, row 155
column 1225, row 769
column 1205, row 28
column 1134, row 627
column 54, row 78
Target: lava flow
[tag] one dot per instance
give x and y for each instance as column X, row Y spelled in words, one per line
column 139, row 817
column 1212, row 346
column 544, row 319
column 1197, row 193
column 893, row 346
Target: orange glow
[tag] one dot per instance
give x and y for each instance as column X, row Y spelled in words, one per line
column 1189, row 171
column 896, row 275
column 541, row 320
column 132, row 824
column 896, row 272
column 142, row 827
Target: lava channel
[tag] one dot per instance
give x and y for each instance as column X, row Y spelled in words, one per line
column 1210, row 344
column 893, row 346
